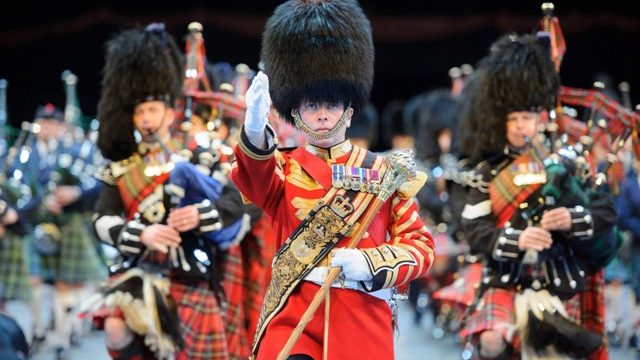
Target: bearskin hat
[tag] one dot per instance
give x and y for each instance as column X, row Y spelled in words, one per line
column 142, row 64
column 517, row 75
column 320, row 51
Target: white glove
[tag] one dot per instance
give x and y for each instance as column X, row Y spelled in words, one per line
column 258, row 104
column 354, row 264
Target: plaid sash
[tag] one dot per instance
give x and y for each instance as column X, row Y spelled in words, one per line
column 135, row 186
column 505, row 195
column 331, row 219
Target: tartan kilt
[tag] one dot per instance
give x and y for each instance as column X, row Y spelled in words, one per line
column 78, row 260
column 495, row 311
column 14, row 269
column 587, row 309
column 235, row 319
column 462, row 292
column 201, row 322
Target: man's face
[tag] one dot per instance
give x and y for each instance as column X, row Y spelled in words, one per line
column 521, row 125
column 50, row 129
column 323, row 117
column 153, row 117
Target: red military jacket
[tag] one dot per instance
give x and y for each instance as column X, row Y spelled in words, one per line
column 397, row 245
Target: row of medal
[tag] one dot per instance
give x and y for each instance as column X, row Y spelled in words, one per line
column 355, row 178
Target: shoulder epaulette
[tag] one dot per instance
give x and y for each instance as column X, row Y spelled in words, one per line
column 119, row 168
column 480, row 177
column 105, row 175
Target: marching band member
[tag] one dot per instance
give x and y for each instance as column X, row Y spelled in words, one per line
column 319, row 59
column 531, row 218
column 64, row 243
column 167, row 219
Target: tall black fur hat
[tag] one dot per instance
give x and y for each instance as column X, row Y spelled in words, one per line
column 142, row 64
column 319, row 50
column 521, row 75
column 516, row 75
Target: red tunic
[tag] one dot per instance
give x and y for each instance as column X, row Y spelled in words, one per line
column 358, row 322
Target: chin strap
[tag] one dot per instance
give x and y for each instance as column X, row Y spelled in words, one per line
column 316, row 135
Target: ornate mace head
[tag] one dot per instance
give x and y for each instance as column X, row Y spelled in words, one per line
column 403, row 163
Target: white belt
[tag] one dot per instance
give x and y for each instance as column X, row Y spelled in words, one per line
column 319, row 274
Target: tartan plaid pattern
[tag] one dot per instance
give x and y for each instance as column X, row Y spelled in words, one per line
column 504, row 194
column 495, row 311
column 258, row 248
column 134, row 186
column 14, row 272
column 78, row 260
column 587, row 309
column 619, row 117
column 236, row 332
column 201, row 322
column 228, row 104
column 462, row 291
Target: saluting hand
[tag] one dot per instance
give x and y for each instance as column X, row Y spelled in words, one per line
column 184, row 219
column 534, row 238
column 258, row 105
column 160, row 237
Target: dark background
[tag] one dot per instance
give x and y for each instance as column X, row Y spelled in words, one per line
column 416, row 41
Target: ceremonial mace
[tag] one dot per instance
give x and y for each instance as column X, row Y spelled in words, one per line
column 402, row 168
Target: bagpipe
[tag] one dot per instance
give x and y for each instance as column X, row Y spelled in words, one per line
column 227, row 102
column 545, row 326
column 612, row 130
column 13, row 184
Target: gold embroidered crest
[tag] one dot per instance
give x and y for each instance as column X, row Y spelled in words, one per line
column 323, row 227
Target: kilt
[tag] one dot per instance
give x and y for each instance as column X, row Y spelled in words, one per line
column 235, row 320
column 587, row 309
column 201, row 322
column 495, row 311
column 14, row 270
column 78, row 260
column 463, row 291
